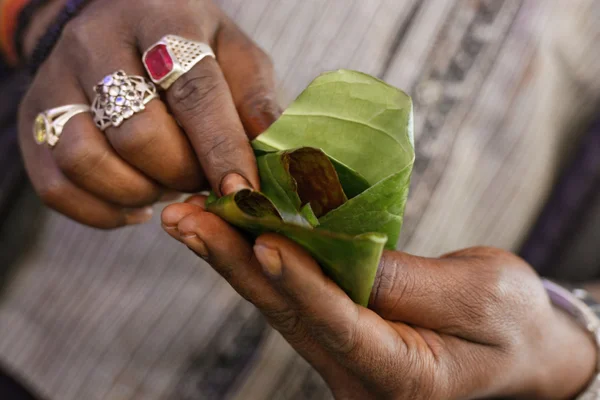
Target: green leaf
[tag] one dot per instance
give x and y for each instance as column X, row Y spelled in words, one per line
column 356, row 119
column 252, row 211
column 278, row 185
column 316, row 179
column 378, row 209
column 343, row 257
column 350, row 261
column 335, row 171
column 309, row 215
column 295, row 178
column 352, row 182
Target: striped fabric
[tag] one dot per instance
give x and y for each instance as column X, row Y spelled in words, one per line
column 503, row 91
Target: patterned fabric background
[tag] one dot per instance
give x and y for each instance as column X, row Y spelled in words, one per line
column 501, row 95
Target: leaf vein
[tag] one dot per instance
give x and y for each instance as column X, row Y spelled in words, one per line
column 337, row 117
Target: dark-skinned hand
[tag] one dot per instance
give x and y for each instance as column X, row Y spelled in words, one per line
column 476, row 323
column 108, row 179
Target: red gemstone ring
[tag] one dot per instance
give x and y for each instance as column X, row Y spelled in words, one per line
column 173, row 56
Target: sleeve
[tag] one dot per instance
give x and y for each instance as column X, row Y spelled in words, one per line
column 9, row 21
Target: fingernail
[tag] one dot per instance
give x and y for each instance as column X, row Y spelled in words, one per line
column 192, row 241
column 269, row 259
column 233, row 183
column 169, row 227
column 197, row 200
column 138, row 215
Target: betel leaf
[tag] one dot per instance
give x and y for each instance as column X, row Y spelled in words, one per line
column 356, row 119
column 378, row 209
column 335, row 171
column 255, row 213
column 298, row 178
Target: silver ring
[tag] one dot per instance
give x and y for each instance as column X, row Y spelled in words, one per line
column 173, row 56
column 119, row 97
column 48, row 125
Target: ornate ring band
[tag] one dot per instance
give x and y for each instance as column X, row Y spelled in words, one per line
column 48, row 125
column 173, row 56
column 119, row 96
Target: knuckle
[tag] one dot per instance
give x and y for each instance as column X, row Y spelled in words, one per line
column 480, row 299
column 79, row 162
column 227, row 271
column 52, row 191
column 75, row 157
column 501, row 287
column 134, row 137
column 486, row 255
column 219, row 144
column 477, row 310
column 285, row 320
column 192, row 91
column 77, row 36
column 343, row 342
column 394, row 284
column 259, row 99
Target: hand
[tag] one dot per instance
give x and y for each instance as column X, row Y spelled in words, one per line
column 472, row 324
column 106, row 179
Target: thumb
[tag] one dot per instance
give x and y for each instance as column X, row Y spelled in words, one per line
column 451, row 294
column 334, row 321
column 249, row 73
column 354, row 336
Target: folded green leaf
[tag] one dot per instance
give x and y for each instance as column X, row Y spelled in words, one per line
column 335, row 171
column 343, row 257
column 356, row 119
column 293, row 179
column 378, row 209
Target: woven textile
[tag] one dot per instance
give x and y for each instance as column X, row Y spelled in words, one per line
column 503, row 90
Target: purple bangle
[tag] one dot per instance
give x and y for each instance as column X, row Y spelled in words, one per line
column 48, row 41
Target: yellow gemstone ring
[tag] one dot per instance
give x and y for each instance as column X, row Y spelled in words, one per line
column 49, row 125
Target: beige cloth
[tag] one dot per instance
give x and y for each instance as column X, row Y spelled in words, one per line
column 501, row 90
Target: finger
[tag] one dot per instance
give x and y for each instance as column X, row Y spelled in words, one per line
column 343, row 328
column 459, row 294
column 197, row 200
column 83, row 153
column 57, row 192
column 150, row 140
column 231, row 255
column 202, row 103
column 174, row 213
column 249, row 73
column 224, row 248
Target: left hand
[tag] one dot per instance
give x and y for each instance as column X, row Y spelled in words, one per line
column 472, row 324
column 194, row 136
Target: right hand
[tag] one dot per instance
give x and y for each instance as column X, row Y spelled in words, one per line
column 476, row 323
column 109, row 179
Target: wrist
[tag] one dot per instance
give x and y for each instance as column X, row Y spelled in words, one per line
column 567, row 366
